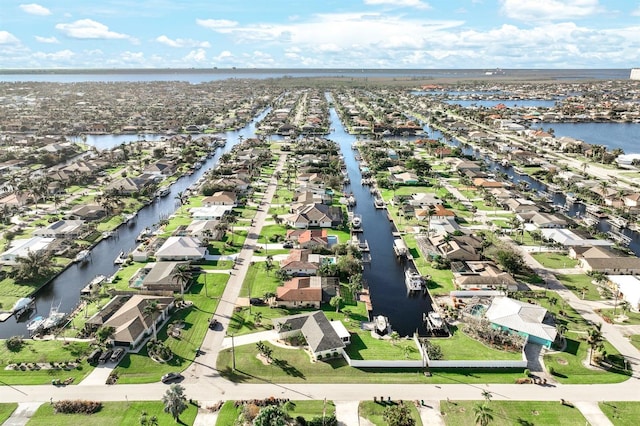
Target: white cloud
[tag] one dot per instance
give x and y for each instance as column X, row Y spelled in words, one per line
column 89, row 29
column 8, row 38
column 399, row 3
column 182, row 42
column 550, row 10
column 636, row 12
column 198, row 56
column 35, row 9
column 224, row 55
column 48, row 40
column 217, row 24
column 60, row 56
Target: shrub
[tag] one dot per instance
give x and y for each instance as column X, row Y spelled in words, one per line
column 14, row 344
column 77, row 407
column 527, row 372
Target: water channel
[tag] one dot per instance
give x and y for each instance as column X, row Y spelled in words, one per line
column 65, row 288
column 385, row 274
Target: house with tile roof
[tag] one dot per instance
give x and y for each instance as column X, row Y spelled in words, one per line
column 299, row 292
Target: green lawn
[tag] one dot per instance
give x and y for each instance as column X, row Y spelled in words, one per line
column 258, row 282
column 554, row 260
column 5, row 411
column 577, row 282
column 513, row 413
column 462, row 347
column 373, row 412
column 296, row 367
column 112, row 413
column 621, row 413
column 38, row 351
column 363, row 346
column 632, row 318
column 139, row 368
column 568, row 366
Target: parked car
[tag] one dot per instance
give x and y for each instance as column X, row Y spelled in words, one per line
column 255, row 301
column 213, row 324
column 106, row 355
column 117, row 354
column 171, row 377
column 94, row 357
column 287, row 245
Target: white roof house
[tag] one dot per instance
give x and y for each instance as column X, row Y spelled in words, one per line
column 629, row 287
column 568, row 238
column 181, row 248
column 208, row 213
column 22, row 247
column 524, row 318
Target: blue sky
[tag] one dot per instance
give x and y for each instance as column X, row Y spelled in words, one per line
column 320, row 34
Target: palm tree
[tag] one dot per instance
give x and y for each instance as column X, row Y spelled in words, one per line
column 594, row 340
column 182, row 275
column 487, row 395
column 268, row 264
column 151, row 310
column 34, row 266
column 257, row 318
column 175, row 402
column 355, row 284
column 395, row 337
column 482, row 414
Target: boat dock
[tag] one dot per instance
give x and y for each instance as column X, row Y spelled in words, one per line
column 619, row 238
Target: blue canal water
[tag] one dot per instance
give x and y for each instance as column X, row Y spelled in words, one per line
column 612, row 135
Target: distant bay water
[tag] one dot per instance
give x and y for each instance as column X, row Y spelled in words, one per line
column 204, row 75
column 625, row 136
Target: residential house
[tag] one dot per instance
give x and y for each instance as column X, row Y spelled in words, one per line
column 204, row 229
column 315, row 215
column 463, row 247
column 569, row 238
column 530, row 321
column 88, row 212
column 125, row 186
column 521, row 205
column 181, row 248
column 301, row 262
column 308, row 238
column 481, row 275
column 325, row 338
column 126, row 314
column 298, row 292
column 221, row 198
column 160, row 276
column 406, row 178
column 62, row 229
column 22, row 247
column 542, row 220
column 161, row 168
column 480, row 182
column 600, row 259
column 209, row 213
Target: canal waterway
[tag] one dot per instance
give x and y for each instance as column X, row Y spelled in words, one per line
column 65, row 288
column 574, row 209
column 385, row 274
column 612, row 135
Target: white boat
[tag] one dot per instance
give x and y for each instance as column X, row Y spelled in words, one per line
column 82, row 256
column 120, row 259
column 163, row 191
column 400, row 247
column 379, row 203
column 435, row 319
column 356, row 221
column 34, row 324
column 618, row 222
column 95, row 282
column 54, row 319
column 351, row 201
column 129, row 218
column 107, row 234
column 381, row 324
column 143, row 235
column 413, row 280
column 23, row 304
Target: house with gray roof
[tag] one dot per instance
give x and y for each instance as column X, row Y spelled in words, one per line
column 61, row 229
column 325, row 338
column 181, row 248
